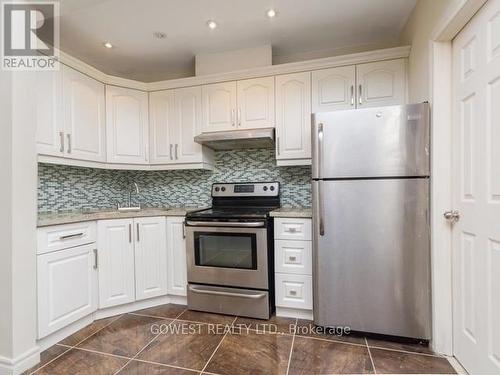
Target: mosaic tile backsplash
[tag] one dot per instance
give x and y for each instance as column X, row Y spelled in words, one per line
column 63, row 188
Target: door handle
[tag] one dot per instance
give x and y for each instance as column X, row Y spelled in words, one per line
column 171, row 146
column 452, row 216
column 95, row 259
column 61, row 139
column 320, row 149
column 352, row 94
column 320, row 203
column 360, row 99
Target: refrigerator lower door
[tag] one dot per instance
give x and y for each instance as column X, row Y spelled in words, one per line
column 372, row 263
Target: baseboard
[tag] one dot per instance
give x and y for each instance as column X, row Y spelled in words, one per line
column 294, row 313
column 16, row 366
column 457, row 366
column 47, row 341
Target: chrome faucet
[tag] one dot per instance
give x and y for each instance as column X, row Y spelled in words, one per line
column 136, row 188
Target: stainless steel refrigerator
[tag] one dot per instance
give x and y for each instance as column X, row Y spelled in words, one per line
column 371, row 220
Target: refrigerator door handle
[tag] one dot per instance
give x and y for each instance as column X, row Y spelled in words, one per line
column 320, row 209
column 320, row 150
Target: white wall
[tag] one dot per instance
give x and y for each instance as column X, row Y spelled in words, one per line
column 417, row 32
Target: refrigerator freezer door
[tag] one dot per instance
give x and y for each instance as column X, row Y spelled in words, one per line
column 373, row 142
column 372, row 264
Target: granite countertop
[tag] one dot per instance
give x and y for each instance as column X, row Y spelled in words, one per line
column 305, row 212
column 79, row 216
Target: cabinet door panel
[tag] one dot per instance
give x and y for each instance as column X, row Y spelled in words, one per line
column 293, row 116
column 67, row 287
column 49, row 125
column 84, row 120
column 116, row 262
column 163, row 119
column 150, row 257
column 126, row 125
column 256, row 103
column 333, row 89
column 188, row 125
column 381, row 83
column 219, row 106
column 177, row 266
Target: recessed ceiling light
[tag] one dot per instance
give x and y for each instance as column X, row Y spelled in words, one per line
column 271, row 13
column 107, row 45
column 211, row 24
column 159, row 35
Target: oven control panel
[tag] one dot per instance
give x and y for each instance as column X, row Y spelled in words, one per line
column 255, row 189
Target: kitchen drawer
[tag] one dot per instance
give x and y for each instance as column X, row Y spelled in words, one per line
column 64, row 236
column 294, row 291
column 293, row 257
column 292, row 229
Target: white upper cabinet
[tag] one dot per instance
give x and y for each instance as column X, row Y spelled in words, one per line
column 150, row 257
column 162, row 125
column 49, row 125
column 255, row 99
column 381, row 83
column 84, row 116
column 176, row 247
column 187, row 125
column 127, row 125
column 219, row 106
column 334, row 89
column 293, row 118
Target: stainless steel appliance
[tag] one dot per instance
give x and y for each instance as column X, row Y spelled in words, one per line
column 230, row 251
column 371, row 220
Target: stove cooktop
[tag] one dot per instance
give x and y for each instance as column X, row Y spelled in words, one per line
column 232, row 213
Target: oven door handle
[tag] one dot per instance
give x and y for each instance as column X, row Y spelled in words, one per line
column 228, row 294
column 250, row 224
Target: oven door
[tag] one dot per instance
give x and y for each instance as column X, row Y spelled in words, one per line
column 229, row 256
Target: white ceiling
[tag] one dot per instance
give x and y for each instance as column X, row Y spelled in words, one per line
column 300, row 28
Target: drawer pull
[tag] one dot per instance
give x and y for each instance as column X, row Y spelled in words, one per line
column 226, row 294
column 292, row 258
column 293, row 292
column 68, row 236
column 292, row 230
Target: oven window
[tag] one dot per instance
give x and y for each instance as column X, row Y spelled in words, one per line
column 226, row 250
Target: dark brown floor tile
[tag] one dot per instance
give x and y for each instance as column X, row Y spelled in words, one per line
column 80, row 362
column 393, row 362
column 311, row 356
column 251, row 353
column 170, row 311
column 184, row 344
column 409, row 347
column 85, row 332
column 125, row 336
column 142, row 368
column 273, row 325
column 203, row 317
column 47, row 356
column 308, row 329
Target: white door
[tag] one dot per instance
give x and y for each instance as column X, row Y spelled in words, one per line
column 187, row 125
column 127, row 125
column 334, row 89
column 115, row 243
column 84, row 116
column 162, row 115
column 176, row 246
column 381, row 83
column 67, row 287
column 49, row 125
column 150, row 257
column 476, row 172
column 255, row 103
column 219, row 106
column 293, row 116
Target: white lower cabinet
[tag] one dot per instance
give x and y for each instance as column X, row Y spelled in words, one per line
column 116, row 262
column 293, row 291
column 67, row 287
column 176, row 248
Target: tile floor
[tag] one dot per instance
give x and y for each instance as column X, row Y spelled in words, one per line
column 171, row 340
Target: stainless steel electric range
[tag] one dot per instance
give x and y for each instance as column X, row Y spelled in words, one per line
column 230, row 251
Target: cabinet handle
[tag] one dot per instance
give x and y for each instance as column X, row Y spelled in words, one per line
column 184, row 229
column 292, row 259
column 61, row 139
column 352, row 94
column 239, row 116
column 68, row 236
column 292, row 230
column 176, row 151
column 130, row 233
column 278, row 144
column 232, row 117
column 138, row 237
column 96, row 264
column 171, row 145
column 360, row 99
column 145, row 152
column 293, row 292
column 69, row 143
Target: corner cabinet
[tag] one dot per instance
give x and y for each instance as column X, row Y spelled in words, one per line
column 127, row 125
column 293, row 119
column 176, row 248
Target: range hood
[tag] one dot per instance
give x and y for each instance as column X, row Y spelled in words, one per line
column 236, row 139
